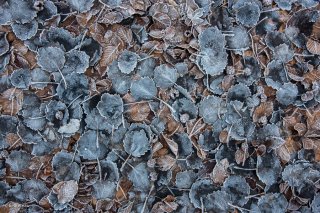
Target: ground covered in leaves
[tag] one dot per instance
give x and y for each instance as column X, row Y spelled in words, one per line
column 160, row 106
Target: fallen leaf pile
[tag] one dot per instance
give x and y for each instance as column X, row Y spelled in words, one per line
column 160, row 106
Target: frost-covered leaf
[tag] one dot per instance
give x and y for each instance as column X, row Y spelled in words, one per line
column 238, row 189
column 111, row 107
column 143, row 88
column 28, row 135
column 217, row 201
column 283, row 53
column 248, row 14
column 199, row 191
column 39, row 78
column 104, row 189
column 272, row 202
column 76, row 61
column 76, row 88
column 302, row 176
column 211, row 40
column 271, row 135
column 29, row 190
column 21, row 78
column 57, row 113
column 139, row 176
column 307, row 3
column 4, row 187
column 49, row 10
column 185, row 147
column 25, row 31
column 92, row 145
column 4, row 44
column 111, row 3
column 109, row 170
column 65, row 166
column 285, row 4
column 211, row 109
column 185, row 179
column 277, row 74
column 315, row 205
column 240, row 40
column 71, row 127
column 165, row 76
column 137, row 140
column 213, row 63
column 80, row 5
column 51, row 59
column 22, row 11
column 287, row 93
column 185, row 109
column 268, row 168
column 127, row 61
column 146, row 66
column 65, row 190
column 18, row 160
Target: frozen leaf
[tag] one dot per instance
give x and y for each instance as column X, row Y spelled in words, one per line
column 315, row 205
column 120, row 82
column 74, row 88
column 127, row 61
column 268, row 168
column 93, row 118
column 239, row 92
column 104, row 189
column 146, row 66
column 185, row 107
column 57, row 113
column 248, row 14
column 39, row 78
column 139, row 176
column 92, row 145
column 111, row 3
column 240, row 41
column 165, row 76
column 185, row 147
column 51, row 59
column 71, row 127
column 277, row 74
column 28, row 135
column 111, row 107
column 199, row 191
column 22, row 11
column 4, row 44
column 251, row 72
column 285, row 4
column 4, row 187
column 80, row 5
column 21, row 78
column 217, row 202
column 213, row 63
column 301, row 175
column 61, row 38
column 211, row 40
column 49, row 10
column 109, row 170
column 143, row 88
column 283, row 53
column 185, row 179
column 211, row 109
column 238, row 189
column 76, row 61
column 65, row 190
column 271, row 135
column 287, row 93
column 272, row 202
column 25, row 31
column 137, row 140
column 18, row 160
column 29, row 190
column 65, row 166
column 307, row 3
column 275, row 38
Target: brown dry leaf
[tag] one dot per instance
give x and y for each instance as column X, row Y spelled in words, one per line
column 65, row 190
column 10, row 207
column 173, row 146
column 139, row 112
column 124, row 34
column 283, row 153
column 264, row 110
column 11, row 101
column 165, row 162
column 220, row 171
column 110, row 53
column 313, row 46
column 164, row 207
